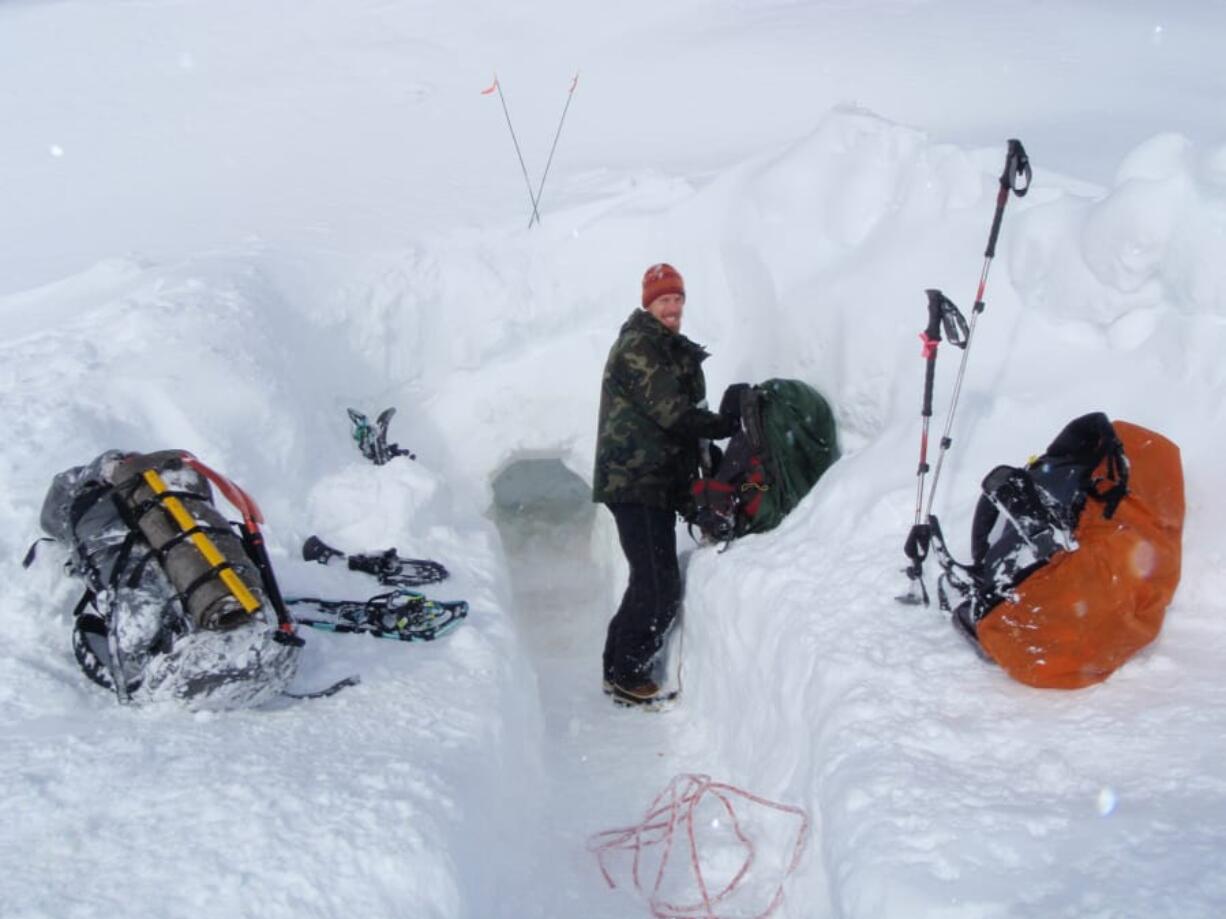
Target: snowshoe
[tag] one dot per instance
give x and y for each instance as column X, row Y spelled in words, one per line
column 372, row 438
column 402, row 615
column 386, row 566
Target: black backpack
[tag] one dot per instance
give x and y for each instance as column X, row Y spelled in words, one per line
column 1025, row 515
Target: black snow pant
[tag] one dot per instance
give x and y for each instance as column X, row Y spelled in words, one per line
column 648, row 537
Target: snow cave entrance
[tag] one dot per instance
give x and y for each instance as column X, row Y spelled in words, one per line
column 559, row 549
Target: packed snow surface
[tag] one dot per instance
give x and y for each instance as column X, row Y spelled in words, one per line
column 226, row 222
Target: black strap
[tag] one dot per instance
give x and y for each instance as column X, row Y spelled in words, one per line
column 326, row 691
column 33, row 550
column 163, row 551
column 125, row 552
column 1117, row 472
column 87, row 599
column 163, row 554
column 203, row 578
column 159, row 501
column 963, row 578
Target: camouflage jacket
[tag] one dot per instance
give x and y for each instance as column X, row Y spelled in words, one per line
column 652, row 414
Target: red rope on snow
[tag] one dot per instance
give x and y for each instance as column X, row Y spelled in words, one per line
column 677, row 805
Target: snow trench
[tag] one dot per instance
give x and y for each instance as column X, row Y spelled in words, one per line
column 465, row 777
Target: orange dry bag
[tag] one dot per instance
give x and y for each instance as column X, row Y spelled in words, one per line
column 1076, row 556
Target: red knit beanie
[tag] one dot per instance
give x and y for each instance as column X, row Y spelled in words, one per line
column 659, row 280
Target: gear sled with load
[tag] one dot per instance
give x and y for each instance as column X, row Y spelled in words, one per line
column 1075, row 557
column 785, row 442
column 177, row 605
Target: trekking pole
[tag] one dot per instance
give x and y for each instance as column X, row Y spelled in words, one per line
column 1017, row 168
column 941, row 311
column 541, row 188
column 496, row 85
column 1015, row 177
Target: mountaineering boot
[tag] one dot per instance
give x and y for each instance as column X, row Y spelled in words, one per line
column 637, row 692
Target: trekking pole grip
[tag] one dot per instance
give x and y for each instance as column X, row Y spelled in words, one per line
column 935, row 301
column 1017, row 166
column 1014, row 177
column 938, row 306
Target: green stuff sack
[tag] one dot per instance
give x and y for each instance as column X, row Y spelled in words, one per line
column 786, row 442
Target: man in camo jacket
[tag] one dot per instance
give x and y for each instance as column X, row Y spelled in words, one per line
column 652, row 417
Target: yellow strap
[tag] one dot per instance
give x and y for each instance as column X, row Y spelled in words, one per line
column 205, row 545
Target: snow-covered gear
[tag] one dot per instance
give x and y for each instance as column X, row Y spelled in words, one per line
column 372, row 438
column 1075, row 557
column 176, row 606
column 785, row 441
column 636, row 633
column 652, row 416
column 659, row 280
column 388, row 567
column 1015, row 177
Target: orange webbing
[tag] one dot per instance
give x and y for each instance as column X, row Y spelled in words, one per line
column 1081, row 616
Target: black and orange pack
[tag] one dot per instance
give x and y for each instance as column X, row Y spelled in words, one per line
column 1075, row 557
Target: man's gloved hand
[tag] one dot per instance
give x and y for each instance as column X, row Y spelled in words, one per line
column 730, row 404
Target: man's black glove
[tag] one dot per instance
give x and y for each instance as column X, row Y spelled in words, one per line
column 728, row 425
column 730, row 404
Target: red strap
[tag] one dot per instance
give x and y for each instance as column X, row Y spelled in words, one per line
column 702, row 486
column 243, row 502
column 930, row 346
